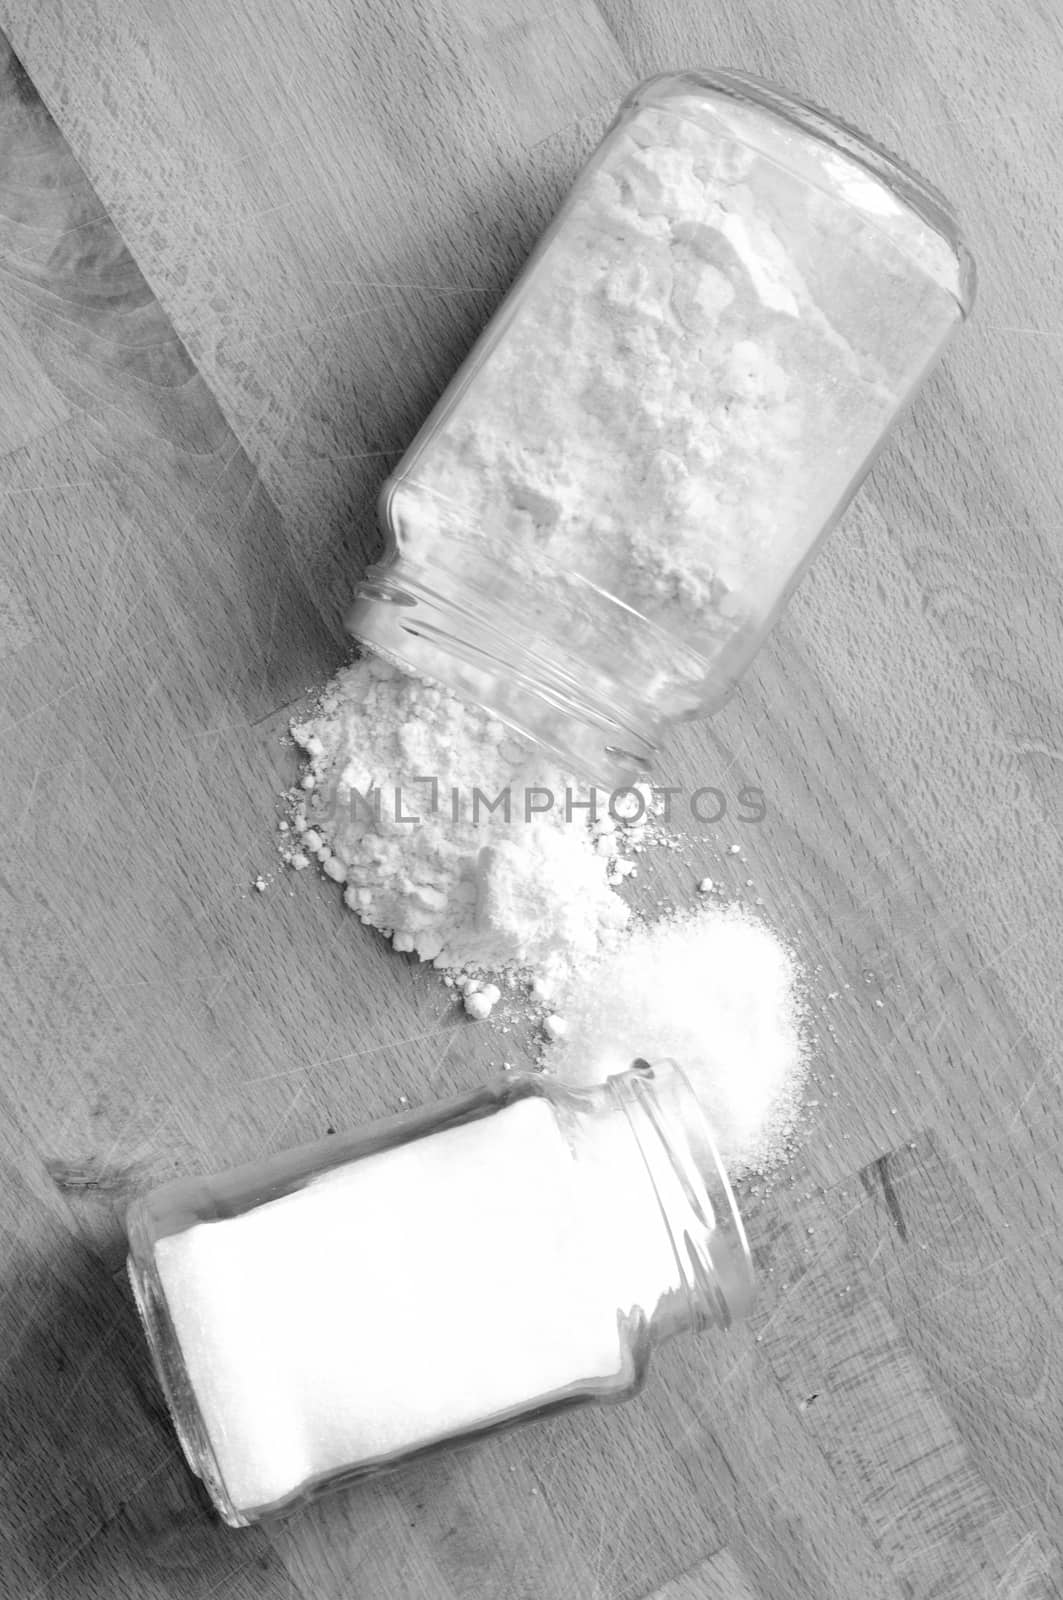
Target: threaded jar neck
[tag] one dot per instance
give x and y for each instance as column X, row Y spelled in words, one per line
column 172, row 1373
column 487, row 652
column 697, row 1202
column 560, row 661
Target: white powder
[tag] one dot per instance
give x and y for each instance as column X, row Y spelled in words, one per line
column 713, row 989
column 456, row 889
column 716, row 991
column 401, row 1298
column 677, row 397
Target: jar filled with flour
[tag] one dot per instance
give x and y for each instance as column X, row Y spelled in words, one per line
column 607, row 508
column 337, row 1310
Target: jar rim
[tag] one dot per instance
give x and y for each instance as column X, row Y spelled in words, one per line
column 712, row 1249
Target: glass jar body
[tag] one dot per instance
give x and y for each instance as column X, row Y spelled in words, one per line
column 606, row 510
column 341, row 1309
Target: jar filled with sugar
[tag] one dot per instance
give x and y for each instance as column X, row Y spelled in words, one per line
column 337, row 1310
column 605, row 512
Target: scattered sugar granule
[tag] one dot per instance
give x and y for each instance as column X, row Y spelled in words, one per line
column 713, row 989
column 705, row 886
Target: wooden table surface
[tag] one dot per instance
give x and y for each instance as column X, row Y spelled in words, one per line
column 242, row 248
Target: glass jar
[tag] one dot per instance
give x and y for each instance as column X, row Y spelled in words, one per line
column 603, row 515
column 342, row 1308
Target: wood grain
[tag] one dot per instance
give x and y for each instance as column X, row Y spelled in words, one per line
column 234, row 273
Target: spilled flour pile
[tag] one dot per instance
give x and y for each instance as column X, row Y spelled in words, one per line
column 716, row 991
column 450, row 834
column 469, row 848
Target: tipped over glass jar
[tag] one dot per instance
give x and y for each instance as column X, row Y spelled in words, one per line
column 340, row 1309
column 605, row 512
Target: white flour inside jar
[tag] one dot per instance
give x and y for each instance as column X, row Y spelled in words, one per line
column 678, row 397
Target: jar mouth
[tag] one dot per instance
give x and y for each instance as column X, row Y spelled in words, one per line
column 516, row 659
column 697, row 1201
column 172, row 1374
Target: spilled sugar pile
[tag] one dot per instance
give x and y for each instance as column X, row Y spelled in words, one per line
column 715, row 990
column 452, row 837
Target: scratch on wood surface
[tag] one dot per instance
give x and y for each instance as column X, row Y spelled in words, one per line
column 1028, row 1568
column 29, row 1323
column 40, row 710
column 93, row 1356
column 599, row 1557
column 31, row 795
column 1034, row 747
column 1049, row 1067
column 46, row 488
column 783, row 1304
column 356, row 1055
column 286, row 1118
column 743, row 749
column 53, row 236
column 719, row 1577
column 1039, row 333
column 210, row 1000
column 267, row 646
column 413, row 283
column 46, row 1587
column 454, row 1029
column 993, row 963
